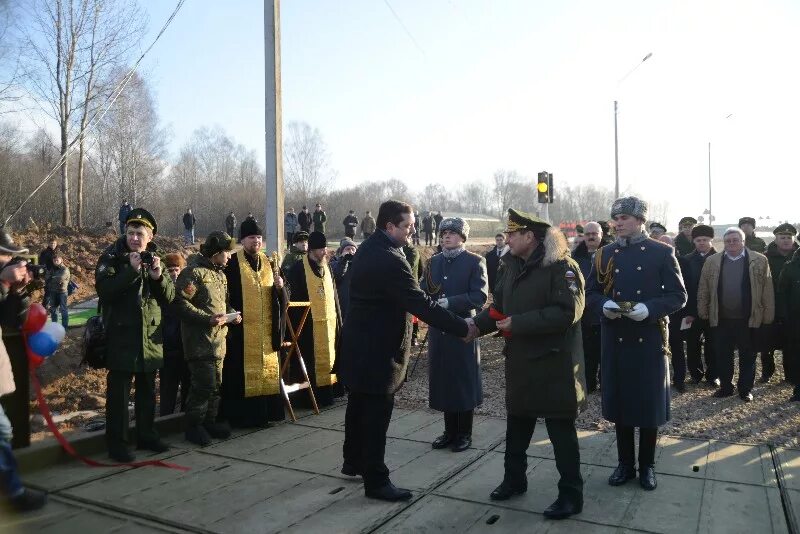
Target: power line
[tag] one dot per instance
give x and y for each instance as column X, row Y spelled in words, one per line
column 106, row 106
column 396, row 16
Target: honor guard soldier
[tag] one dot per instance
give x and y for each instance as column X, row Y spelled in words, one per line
column 683, row 241
column 538, row 303
column 635, row 283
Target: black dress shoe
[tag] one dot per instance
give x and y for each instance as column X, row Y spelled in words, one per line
column 28, row 500
column 461, row 443
column 198, row 435
column 563, row 508
column 647, row 478
column 505, row 491
column 442, row 441
column 350, row 470
column 121, row 454
column 746, row 397
column 722, row 393
column 621, row 475
column 155, row 446
column 388, row 492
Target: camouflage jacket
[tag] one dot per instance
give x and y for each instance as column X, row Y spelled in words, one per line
column 201, row 292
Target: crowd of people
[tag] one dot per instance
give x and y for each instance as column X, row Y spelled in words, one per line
column 610, row 313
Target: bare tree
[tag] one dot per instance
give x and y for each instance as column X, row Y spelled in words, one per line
column 505, row 185
column 475, row 198
column 73, row 46
column 307, row 172
column 9, row 60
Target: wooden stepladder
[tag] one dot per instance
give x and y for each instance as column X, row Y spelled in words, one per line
column 292, row 348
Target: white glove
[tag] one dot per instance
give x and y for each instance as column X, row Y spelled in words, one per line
column 639, row 312
column 442, row 302
column 611, row 310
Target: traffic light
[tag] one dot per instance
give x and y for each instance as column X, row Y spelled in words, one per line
column 544, row 188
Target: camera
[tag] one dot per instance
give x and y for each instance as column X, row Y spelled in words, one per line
column 37, row 271
column 147, row 257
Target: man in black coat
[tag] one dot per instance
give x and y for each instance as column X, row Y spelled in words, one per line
column 699, row 343
column 304, row 219
column 350, row 224
column 376, row 342
column 493, row 259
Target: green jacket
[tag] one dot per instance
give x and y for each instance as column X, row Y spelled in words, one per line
column 294, row 255
column 787, row 301
column 201, row 292
column 545, row 297
column 319, row 219
column 131, row 302
column 412, row 256
column 755, row 243
column 683, row 245
column 777, row 261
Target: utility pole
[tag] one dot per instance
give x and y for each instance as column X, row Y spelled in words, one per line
column 273, row 217
column 616, row 155
column 710, row 216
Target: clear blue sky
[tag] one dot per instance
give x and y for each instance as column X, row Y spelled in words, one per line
column 515, row 84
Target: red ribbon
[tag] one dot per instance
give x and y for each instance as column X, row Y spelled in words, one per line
column 498, row 316
column 34, row 361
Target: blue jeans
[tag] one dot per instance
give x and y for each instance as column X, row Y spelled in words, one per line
column 188, row 236
column 59, row 300
column 10, row 484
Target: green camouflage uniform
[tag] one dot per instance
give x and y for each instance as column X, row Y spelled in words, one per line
column 294, row 255
column 756, row 244
column 201, row 292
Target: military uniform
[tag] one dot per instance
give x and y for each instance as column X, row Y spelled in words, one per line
column 319, row 217
column 635, row 392
column 544, row 296
column 201, row 293
column 130, row 302
column 684, row 245
column 752, row 242
column 295, row 254
column 788, row 318
column 771, row 335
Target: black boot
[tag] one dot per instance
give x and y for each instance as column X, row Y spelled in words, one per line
column 626, row 454
column 198, row 435
column 120, row 453
column 218, row 430
column 647, row 458
column 28, row 500
column 463, row 439
column 450, row 425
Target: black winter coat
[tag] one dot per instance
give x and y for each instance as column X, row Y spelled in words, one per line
column 376, row 336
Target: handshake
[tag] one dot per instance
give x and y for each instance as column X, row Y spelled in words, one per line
column 473, row 332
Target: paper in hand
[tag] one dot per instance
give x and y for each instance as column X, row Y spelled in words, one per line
column 686, row 324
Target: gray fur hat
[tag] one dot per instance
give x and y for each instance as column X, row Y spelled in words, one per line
column 629, row 206
column 455, row 224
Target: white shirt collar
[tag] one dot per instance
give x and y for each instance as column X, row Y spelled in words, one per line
column 732, row 258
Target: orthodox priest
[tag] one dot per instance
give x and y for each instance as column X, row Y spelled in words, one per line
column 251, row 395
column 311, row 280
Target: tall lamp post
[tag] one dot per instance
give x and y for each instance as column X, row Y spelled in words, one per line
column 616, row 138
column 710, row 212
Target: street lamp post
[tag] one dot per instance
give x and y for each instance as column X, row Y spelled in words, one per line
column 616, row 137
column 710, row 212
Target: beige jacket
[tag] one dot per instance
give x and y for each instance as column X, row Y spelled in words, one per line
column 7, row 385
column 762, row 308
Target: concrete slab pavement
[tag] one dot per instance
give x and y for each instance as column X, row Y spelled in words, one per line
column 286, row 479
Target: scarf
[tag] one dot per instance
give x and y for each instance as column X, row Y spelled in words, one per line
column 628, row 241
column 453, row 253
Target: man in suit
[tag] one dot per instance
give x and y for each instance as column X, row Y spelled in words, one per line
column 376, row 344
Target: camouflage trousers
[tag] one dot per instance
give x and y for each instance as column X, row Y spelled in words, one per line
column 203, row 402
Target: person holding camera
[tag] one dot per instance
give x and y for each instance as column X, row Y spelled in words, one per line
column 14, row 303
column 340, row 267
column 132, row 288
column 57, row 285
column 202, row 303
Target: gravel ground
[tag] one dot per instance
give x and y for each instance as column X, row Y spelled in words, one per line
column 695, row 414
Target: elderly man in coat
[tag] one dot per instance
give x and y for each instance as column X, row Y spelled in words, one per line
column 457, row 280
column 538, row 303
column 636, row 283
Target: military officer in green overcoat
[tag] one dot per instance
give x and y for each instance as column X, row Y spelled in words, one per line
column 683, row 241
column 756, row 244
column 131, row 288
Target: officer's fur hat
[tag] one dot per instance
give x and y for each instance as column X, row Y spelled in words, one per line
column 456, row 225
column 629, row 206
column 747, row 220
column 702, row 230
column 687, row 220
